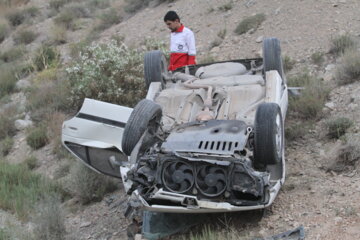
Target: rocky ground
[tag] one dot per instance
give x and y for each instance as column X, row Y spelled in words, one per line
column 324, row 201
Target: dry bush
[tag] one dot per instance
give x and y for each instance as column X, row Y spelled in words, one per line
column 294, row 131
column 7, row 126
column 68, row 15
column 7, row 80
column 226, row 7
column 348, row 71
column 342, row 43
column 13, row 54
column 31, row 162
column 5, row 146
column 288, row 63
column 12, row 3
column 54, row 123
column 312, row 99
column 45, row 57
column 24, row 37
column 4, row 31
column 317, row 58
column 337, row 127
column 107, row 19
column 88, row 185
column 57, row 4
column 222, row 33
column 59, row 35
column 98, row 4
column 15, row 17
column 252, row 22
column 37, row 137
column 50, row 219
column 133, row 6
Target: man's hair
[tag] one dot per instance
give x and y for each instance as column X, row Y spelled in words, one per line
column 171, row 16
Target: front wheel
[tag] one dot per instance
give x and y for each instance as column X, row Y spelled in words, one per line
column 268, row 135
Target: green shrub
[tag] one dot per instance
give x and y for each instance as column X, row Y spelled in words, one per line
column 252, row 22
column 24, row 37
column 107, row 72
column 20, row 189
column 4, row 31
column 312, row 99
column 7, row 126
column 13, row 54
column 317, row 58
column 31, row 162
column 288, row 63
column 226, row 7
column 108, row 19
column 88, row 185
column 4, row 234
column 15, row 17
column 342, row 43
column 6, row 145
column 7, row 80
column 37, row 137
column 49, row 219
column 348, row 71
column 337, row 127
column 45, row 57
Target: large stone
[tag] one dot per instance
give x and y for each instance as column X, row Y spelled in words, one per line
column 22, row 124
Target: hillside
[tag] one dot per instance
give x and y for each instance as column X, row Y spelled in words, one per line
column 322, row 184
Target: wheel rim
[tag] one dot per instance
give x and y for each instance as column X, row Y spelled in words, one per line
column 278, row 136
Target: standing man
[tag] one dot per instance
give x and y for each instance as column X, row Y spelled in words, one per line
column 182, row 42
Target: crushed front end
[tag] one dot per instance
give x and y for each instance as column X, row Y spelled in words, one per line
column 202, row 167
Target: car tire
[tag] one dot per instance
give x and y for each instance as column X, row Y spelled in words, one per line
column 155, row 66
column 272, row 56
column 268, row 135
column 145, row 116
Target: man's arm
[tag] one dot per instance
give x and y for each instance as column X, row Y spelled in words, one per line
column 192, row 49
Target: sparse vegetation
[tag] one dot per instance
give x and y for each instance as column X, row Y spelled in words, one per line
column 58, row 35
column 226, row 7
column 216, row 42
column 49, row 220
column 108, row 19
column 99, row 4
column 20, row 189
column 311, row 101
column 15, row 17
column 288, row 63
column 45, row 57
column 57, row 4
column 4, row 31
column 24, row 37
column 6, row 145
column 342, row 43
column 295, row 130
column 31, row 162
column 13, row 54
column 88, row 185
column 7, row 80
column 317, row 58
column 222, row 33
column 7, row 127
column 111, row 72
column 252, row 22
column 337, row 127
column 37, row 137
column 132, row 6
column 348, row 71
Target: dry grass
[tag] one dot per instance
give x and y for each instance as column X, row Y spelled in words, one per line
column 37, row 137
column 342, row 43
column 288, row 63
column 4, row 31
column 7, row 118
column 317, row 58
column 45, row 57
column 54, row 123
column 24, row 37
column 348, row 71
column 6, row 145
column 88, row 185
column 252, row 22
column 107, row 19
column 312, row 99
column 13, row 54
column 222, row 33
column 59, row 35
column 337, row 127
column 7, row 80
column 31, row 162
column 50, row 219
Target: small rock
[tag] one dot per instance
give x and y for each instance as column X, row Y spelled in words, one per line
column 330, row 105
column 22, row 84
column 251, row 31
column 215, row 49
column 22, row 124
column 85, row 224
column 259, row 39
column 138, row 237
column 338, row 219
column 330, row 67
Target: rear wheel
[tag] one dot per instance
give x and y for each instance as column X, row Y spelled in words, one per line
column 272, row 56
column 145, row 116
column 268, row 135
column 155, row 66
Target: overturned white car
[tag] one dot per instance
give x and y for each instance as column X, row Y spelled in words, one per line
column 207, row 138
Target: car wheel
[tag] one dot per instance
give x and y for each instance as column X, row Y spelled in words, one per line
column 268, row 135
column 145, row 116
column 272, row 56
column 154, row 67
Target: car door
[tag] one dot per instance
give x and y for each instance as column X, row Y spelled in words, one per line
column 94, row 136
